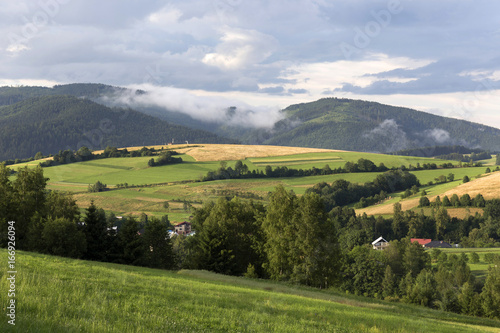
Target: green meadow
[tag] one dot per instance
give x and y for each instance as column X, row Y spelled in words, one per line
column 479, row 269
column 172, row 183
column 55, row 294
column 114, row 171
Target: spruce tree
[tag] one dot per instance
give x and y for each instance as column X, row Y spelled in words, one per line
column 158, row 247
column 96, row 231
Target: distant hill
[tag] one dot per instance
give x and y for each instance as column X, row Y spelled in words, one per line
column 373, row 127
column 331, row 123
column 52, row 123
column 12, row 95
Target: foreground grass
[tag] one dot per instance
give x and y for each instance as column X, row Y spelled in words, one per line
column 62, row 295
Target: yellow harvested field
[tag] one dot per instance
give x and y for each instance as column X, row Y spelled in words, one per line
column 222, row 152
column 488, row 186
column 462, row 213
column 227, row 152
column 387, row 208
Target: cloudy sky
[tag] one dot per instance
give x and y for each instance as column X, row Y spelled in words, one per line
column 437, row 56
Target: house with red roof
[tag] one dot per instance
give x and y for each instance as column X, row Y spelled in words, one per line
column 421, row 241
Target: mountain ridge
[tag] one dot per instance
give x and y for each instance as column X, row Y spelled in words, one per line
column 332, row 123
column 375, row 127
column 52, row 123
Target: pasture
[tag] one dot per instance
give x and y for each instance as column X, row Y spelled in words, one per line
column 479, row 269
column 55, row 294
column 179, row 181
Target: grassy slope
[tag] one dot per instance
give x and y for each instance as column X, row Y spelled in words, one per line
column 56, row 294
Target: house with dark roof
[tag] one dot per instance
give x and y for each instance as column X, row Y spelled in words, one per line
column 438, row 244
column 183, row 228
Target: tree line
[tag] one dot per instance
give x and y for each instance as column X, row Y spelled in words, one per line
column 241, row 170
column 51, row 222
column 85, row 154
column 466, row 158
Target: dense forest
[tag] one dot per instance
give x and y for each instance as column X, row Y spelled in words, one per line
column 52, row 123
column 13, row 95
column 435, row 151
column 295, row 239
column 356, row 125
column 335, row 123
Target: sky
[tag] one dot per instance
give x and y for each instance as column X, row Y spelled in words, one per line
column 441, row 57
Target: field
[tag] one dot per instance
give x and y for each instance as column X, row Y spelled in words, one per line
column 479, row 269
column 178, row 182
column 56, row 294
column 488, row 185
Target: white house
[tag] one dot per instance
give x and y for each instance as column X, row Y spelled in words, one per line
column 380, row 243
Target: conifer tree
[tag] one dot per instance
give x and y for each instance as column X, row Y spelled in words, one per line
column 96, row 231
column 158, row 247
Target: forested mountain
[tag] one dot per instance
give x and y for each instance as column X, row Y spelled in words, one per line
column 12, row 95
column 51, row 123
column 368, row 126
column 327, row 123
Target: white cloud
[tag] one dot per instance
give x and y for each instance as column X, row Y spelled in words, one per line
column 240, row 48
column 318, row 77
column 439, row 135
column 166, row 16
column 202, row 106
column 230, row 48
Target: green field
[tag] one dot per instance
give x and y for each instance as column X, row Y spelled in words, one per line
column 479, row 269
column 56, row 294
column 179, row 181
column 338, row 159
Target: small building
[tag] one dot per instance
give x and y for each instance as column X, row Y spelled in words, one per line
column 380, row 243
column 183, row 228
column 438, row 244
column 421, row 241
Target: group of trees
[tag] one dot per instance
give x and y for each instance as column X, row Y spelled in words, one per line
column 403, row 272
column 292, row 239
column 164, row 159
column 295, row 239
column 466, row 158
column 464, row 201
column 241, row 170
column 85, row 154
column 50, row 222
column 97, row 187
column 342, row 192
column 436, row 151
